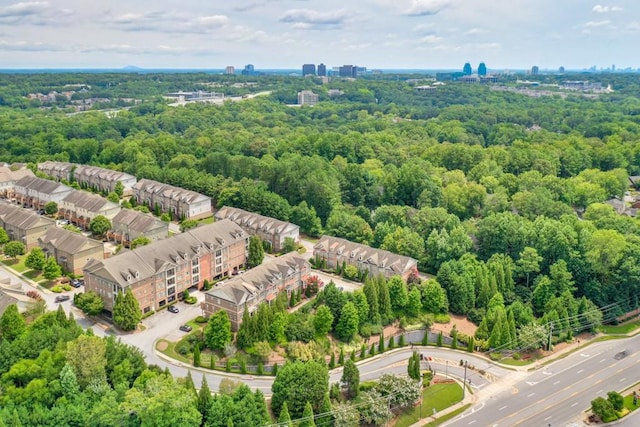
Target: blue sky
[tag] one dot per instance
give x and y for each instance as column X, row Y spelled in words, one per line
column 505, row 34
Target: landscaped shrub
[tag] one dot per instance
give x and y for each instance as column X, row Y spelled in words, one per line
column 201, row 319
column 57, row 289
column 516, row 356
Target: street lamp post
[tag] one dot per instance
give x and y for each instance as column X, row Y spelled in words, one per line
column 464, row 382
column 446, row 369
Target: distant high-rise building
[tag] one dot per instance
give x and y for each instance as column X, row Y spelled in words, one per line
column 348, row 71
column 322, row 70
column 248, row 70
column 309, row 70
column 306, row 97
column 561, row 70
column 535, row 70
column 482, row 69
column 466, row 70
column 230, row 69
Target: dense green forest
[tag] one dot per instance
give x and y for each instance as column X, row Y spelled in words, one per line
column 498, row 195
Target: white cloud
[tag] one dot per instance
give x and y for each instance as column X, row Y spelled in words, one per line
column 605, row 9
column 596, row 24
column 20, row 10
column 475, row 32
column 167, row 22
column 432, row 38
column 25, row 46
column 310, row 18
column 427, row 7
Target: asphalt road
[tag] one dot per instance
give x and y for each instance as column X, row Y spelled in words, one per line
column 559, row 393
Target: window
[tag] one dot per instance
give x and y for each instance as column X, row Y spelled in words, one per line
column 196, row 270
column 171, row 272
column 218, row 253
column 194, row 262
column 195, row 280
column 171, row 281
column 171, row 291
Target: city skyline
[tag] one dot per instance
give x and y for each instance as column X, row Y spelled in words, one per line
column 384, row 34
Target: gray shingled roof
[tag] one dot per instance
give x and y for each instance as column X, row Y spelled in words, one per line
column 88, row 201
column 8, row 175
column 255, row 221
column 102, row 173
column 137, row 221
column 366, row 254
column 169, row 191
column 149, row 259
column 22, row 218
column 240, row 288
column 67, row 241
column 40, row 185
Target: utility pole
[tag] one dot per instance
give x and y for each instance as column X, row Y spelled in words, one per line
column 464, row 382
column 550, row 333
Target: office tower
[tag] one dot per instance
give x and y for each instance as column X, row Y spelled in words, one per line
column 230, row 69
column 309, row 70
column 348, row 71
column 306, row 97
column 535, row 70
column 482, row 69
column 322, row 70
column 466, row 70
column 561, row 70
column 249, row 70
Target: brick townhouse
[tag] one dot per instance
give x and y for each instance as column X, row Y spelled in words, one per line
column 180, row 203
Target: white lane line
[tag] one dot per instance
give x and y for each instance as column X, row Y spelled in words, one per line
column 602, row 360
column 574, row 404
column 557, row 382
column 548, row 418
column 530, row 394
column 624, row 379
column 581, row 371
column 584, row 355
column 599, row 391
column 472, row 422
column 504, row 407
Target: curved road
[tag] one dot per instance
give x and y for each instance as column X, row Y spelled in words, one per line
column 556, row 394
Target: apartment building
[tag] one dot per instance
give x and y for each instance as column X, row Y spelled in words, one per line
column 23, row 225
column 268, row 229
column 60, row 171
column 262, row 283
column 180, row 203
column 336, row 251
column 128, row 224
column 158, row 273
column 71, row 250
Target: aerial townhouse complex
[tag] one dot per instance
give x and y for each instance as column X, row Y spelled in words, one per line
column 158, row 273
column 180, row 203
column 81, row 207
column 268, row 229
column 287, row 273
column 90, row 176
column 336, row 251
column 9, row 177
column 33, row 192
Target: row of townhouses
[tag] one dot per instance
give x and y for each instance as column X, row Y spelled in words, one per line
column 335, row 252
column 71, row 250
column 180, row 203
column 268, row 229
column 287, row 273
column 92, row 176
column 158, row 273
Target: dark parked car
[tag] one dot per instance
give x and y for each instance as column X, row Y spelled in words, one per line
column 173, row 309
column 185, row 328
column 61, row 298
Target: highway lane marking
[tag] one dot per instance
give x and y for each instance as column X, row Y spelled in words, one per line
column 574, row 404
column 602, row 360
column 580, row 371
column 504, row 407
column 591, row 376
column 624, row 379
column 557, row 382
column 599, row 391
column 530, row 395
column 472, row 422
column 584, row 355
column 619, row 370
column 548, row 418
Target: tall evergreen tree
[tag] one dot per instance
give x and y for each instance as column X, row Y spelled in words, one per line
column 256, row 252
column 307, row 417
column 386, row 312
column 126, row 311
column 285, row 419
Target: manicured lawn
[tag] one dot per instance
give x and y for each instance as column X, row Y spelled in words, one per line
column 170, row 351
column 209, row 220
column 16, row 264
column 624, row 328
column 34, row 275
column 628, row 403
column 436, row 396
column 512, row 362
